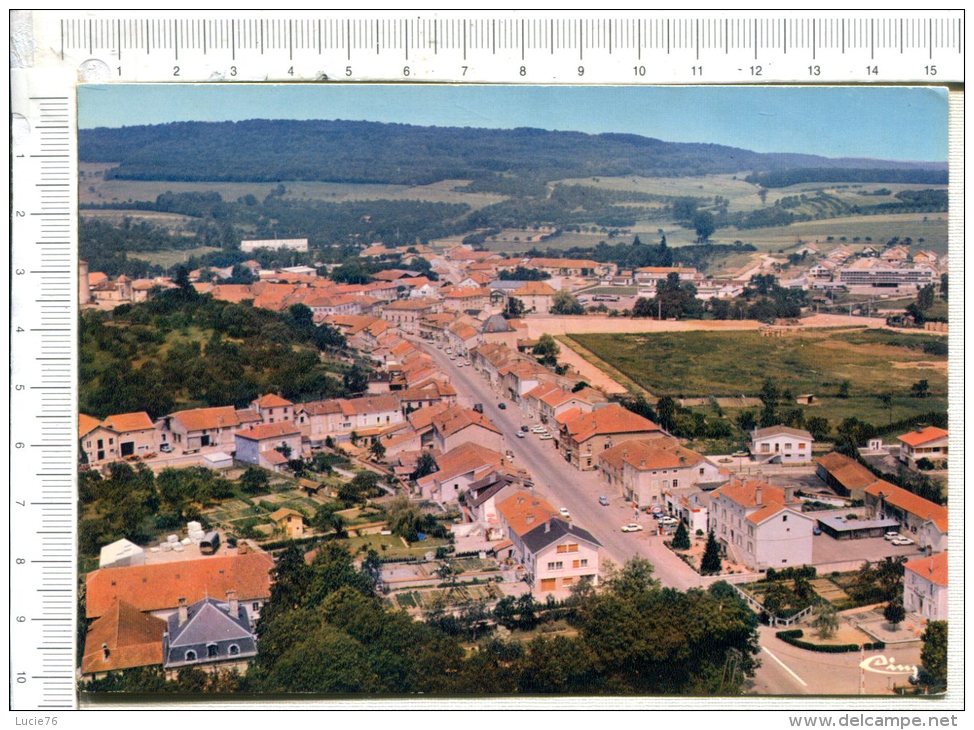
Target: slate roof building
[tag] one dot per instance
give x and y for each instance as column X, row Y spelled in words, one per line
column 208, row 633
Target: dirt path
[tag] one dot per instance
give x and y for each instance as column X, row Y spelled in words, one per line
column 593, row 374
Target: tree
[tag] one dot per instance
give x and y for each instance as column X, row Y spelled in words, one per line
column 843, row 391
column 254, row 480
column 769, row 398
column 826, row 620
column 704, row 225
column 933, row 656
column 818, row 427
column 920, row 389
column 710, row 563
column 887, row 400
column 377, row 449
column 564, row 302
column 514, row 308
column 943, row 286
column 894, row 613
column 425, row 464
column 547, row 350
column 925, row 297
column 365, row 484
column 301, row 315
column 666, row 412
column 746, row 421
column 681, row 540
column 356, row 379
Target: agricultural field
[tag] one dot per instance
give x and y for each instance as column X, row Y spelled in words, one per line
column 93, row 188
column 931, row 227
column 174, row 223
column 701, row 364
column 740, row 194
column 166, row 259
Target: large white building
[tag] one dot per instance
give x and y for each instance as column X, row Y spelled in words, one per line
column 760, row 525
column 291, row 244
column 781, row 444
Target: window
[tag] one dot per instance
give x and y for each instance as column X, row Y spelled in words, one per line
column 255, row 607
column 784, row 518
column 567, row 548
column 191, row 656
column 556, row 565
column 211, row 651
column 234, row 650
column 676, row 483
column 701, row 471
column 788, row 446
column 583, row 563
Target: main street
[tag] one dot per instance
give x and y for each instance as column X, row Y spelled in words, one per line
column 564, row 486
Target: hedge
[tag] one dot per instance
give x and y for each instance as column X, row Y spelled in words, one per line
column 793, row 637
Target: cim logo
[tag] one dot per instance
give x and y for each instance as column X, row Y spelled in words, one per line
column 880, row 664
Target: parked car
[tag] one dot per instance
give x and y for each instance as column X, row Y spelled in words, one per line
column 538, row 429
column 502, row 406
column 479, row 407
column 524, row 429
column 546, row 437
column 520, row 434
column 902, row 541
column 816, row 530
column 891, row 535
column 460, row 364
column 632, row 527
column 604, row 501
column 564, row 512
column 667, row 520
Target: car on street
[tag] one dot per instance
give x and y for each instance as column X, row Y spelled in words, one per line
column 632, row 527
column 459, row 364
column 891, row 535
column 545, row 437
column 667, row 520
column 564, row 512
column 520, row 434
column 537, row 429
column 902, row 541
column 604, row 501
column 502, row 406
column 524, row 429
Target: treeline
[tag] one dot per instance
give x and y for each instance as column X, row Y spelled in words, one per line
column 184, row 350
column 795, row 176
column 326, row 631
column 637, row 254
column 512, row 161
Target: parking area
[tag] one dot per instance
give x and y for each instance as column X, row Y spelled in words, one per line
column 826, row 549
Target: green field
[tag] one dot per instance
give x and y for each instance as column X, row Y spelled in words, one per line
column 741, row 195
column 94, row 188
column 699, row 364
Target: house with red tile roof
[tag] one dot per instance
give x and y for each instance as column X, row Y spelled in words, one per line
column 760, row 525
column 122, row 638
column 157, row 588
column 273, row 408
column 117, row 437
column 645, row 470
column 536, row 296
column 928, row 443
column 583, row 436
column 338, row 417
column 921, row 519
column 268, row 445
column 197, row 428
column 845, row 475
column 456, row 425
column 925, row 587
column 456, row 470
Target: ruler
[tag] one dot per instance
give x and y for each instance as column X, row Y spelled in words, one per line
column 53, row 51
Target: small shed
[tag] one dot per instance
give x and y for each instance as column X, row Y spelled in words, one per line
column 290, row 521
column 217, row 460
column 121, row 553
column 806, row 399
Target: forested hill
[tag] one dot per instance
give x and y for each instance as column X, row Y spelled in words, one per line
column 370, row 152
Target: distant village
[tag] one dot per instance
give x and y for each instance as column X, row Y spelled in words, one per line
column 462, row 418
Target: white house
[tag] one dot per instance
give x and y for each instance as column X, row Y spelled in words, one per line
column 761, row 525
column 925, row 587
column 269, row 445
column 923, row 443
column 781, row 444
column 456, row 470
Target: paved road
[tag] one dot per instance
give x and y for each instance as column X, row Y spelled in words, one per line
column 787, row 670
column 564, row 486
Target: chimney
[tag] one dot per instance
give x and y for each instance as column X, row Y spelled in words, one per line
column 105, row 653
column 183, row 611
column 234, row 608
column 642, row 463
column 757, row 496
column 547, row 526
column 242, row 548
column 789, row 494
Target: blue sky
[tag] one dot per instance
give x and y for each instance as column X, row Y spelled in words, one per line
column 897, row 123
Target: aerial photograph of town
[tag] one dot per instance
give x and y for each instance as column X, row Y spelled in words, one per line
column 512, row 391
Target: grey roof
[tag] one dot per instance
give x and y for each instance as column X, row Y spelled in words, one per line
column 483, row 489
column 760, row 433
column 496, row 323
column 506, row 284
column 553, row 530
column 840, row 524
column 211, row 633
